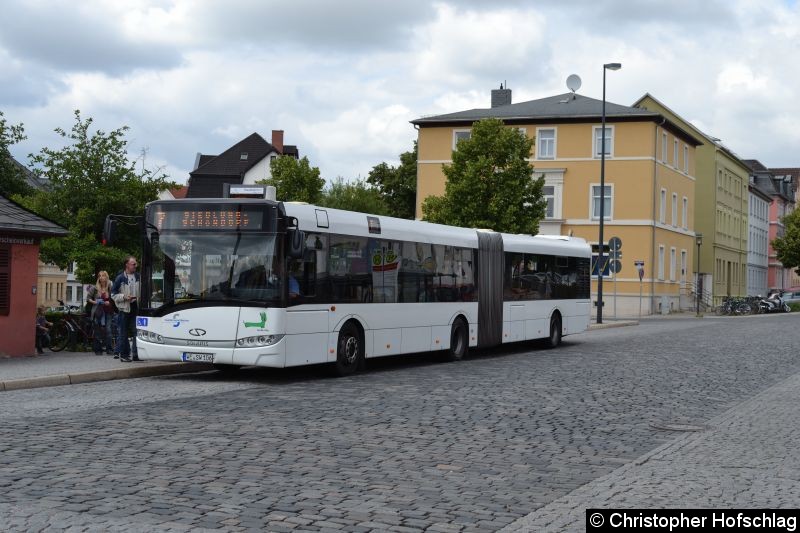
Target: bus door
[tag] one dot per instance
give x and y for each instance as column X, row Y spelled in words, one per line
column 307, row 320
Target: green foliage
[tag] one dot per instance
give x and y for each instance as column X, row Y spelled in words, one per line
column 490, row 183
column 398, row 185
column 354, row 196
column 788, row 246
column 12, row 181
column 295, row 180
column 794, row 306
column 91, row 177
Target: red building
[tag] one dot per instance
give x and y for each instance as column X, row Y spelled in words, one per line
column 20, row 234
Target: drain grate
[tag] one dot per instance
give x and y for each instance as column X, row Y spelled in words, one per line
column 678, row 426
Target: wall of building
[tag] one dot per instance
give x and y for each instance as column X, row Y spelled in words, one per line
column 17, row 330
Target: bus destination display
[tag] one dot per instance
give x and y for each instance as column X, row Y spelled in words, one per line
column 204, row 218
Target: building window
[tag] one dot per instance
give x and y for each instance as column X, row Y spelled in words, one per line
column 662, row 214
column 607, row 203
column 685, row 213
column 661, row 261
column 675, row 153
column 69, row 293
column 460, row 135
column 663, row 147
column 675, row 209
column 598, row 140
column 546, row 141
column 672, row 258
column 243, row 156
column 549, row 194
column 685, row 159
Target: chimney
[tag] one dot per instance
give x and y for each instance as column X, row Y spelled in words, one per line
column 277, row 140
column 501, row 96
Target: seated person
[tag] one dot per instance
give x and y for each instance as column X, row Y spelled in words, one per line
column 294, row 287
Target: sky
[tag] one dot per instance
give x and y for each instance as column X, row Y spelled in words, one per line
column 343, row 79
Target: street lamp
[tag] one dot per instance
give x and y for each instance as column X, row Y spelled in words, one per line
column 607, row 66
column 698, row 239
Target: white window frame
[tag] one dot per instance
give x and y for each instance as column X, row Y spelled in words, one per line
column 661, row 262
column 685, row 159
column 663, row 147
column 675, row 209
column 662, row 215
column 610, row 195
column 675, row 153
column 685, row 213
column 596, row 145
column 551, row 196
column 456, row 131
column 673, row 258
column 538, row 144
column 684, row 265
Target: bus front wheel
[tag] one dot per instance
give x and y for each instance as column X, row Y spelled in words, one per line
column 459, row 341
column 349, row 350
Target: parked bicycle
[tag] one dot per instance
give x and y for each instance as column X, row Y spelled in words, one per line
column 73, row 329
column 739, row 305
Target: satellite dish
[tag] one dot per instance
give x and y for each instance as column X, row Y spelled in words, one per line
column 573, row 82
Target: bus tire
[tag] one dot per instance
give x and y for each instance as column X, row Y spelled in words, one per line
column 555, row 332
column 459, row 340
column 349, row 350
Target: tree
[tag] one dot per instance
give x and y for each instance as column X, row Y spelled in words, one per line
column 12, row 181
column 295, row 180
column 490, row 183
column 398, row 185
column 354, row 196
column 788, row 246
column 91, row 177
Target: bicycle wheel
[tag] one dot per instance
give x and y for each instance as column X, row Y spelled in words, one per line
column 60, row 337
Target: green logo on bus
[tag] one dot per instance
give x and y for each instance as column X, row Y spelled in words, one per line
column 261, row 324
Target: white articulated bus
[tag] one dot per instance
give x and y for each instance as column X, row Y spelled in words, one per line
column 238, row 281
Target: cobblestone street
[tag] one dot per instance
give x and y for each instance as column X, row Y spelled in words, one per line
column 408, row 445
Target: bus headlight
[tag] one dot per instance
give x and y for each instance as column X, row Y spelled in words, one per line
column 256, row 341
column 149, row 336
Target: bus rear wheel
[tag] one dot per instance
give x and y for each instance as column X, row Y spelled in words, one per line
column 459, row 341
column 349, row 350
column 555, row 332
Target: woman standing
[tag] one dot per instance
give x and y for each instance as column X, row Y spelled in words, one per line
column 99, row 296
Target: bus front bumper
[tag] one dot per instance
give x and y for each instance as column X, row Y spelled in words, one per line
column 269, row 356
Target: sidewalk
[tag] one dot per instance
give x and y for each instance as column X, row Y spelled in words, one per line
column 746, row 457
column 70, row 368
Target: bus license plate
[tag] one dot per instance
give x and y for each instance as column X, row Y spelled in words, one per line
column 198, row 357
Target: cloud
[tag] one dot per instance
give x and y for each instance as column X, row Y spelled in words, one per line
column 343, row 79
column 79, row 36
column 459, row 48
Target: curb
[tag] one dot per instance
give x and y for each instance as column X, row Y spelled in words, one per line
column 102, row 375
column 617, row 324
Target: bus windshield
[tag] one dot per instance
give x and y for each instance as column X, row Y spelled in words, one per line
column 215, row 267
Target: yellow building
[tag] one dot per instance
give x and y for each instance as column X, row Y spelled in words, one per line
column 50, row 285
column 649, row 186
column 721, row 211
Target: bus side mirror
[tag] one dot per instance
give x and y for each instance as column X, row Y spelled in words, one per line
column 296, row 246
column 109, row 231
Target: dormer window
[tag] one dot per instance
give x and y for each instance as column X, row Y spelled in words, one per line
column 243, row 156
